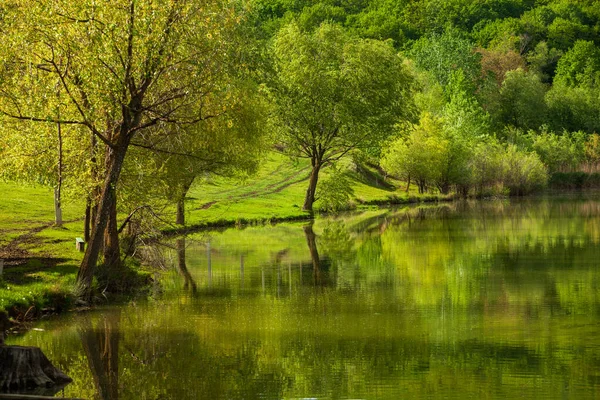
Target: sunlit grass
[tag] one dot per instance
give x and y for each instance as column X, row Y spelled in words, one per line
column 276, row 192
column 45, row 277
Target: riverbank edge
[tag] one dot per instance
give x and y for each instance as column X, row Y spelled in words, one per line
column 391, row 201
column 18, row 317
column 55, row 300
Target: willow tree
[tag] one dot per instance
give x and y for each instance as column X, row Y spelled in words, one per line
column 125, row 67
column 230, row 146
column 334, row 93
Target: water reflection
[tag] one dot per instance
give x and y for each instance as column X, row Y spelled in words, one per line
column 479, row 300
column 189, row 282
column 100, row 342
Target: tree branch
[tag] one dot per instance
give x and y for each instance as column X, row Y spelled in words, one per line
column 48, row 119
column 173, row 153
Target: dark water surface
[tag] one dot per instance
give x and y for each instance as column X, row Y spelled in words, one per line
column 464, row 301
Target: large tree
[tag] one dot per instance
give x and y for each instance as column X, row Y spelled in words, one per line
column 334, row 93
column 124, row 67
column 230, row 146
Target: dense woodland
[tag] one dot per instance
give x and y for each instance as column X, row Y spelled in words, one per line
column 126, row 104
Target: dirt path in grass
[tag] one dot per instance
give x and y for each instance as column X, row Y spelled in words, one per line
column 271, row 189
column 13, row 254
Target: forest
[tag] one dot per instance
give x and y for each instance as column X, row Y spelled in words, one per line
column 126, row 105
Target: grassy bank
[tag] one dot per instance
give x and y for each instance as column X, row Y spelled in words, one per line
column 276, row 193
column 40, row 259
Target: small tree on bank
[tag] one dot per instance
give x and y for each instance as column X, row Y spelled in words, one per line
column 334, row 93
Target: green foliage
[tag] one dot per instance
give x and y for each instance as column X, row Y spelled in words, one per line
column 592, row 149
column 574, row 180
column 522, row 100
column 312, row 17
column 330, row 84
column 580, row 66
column 486, row 166
column 383, row 19
column 419, row 156
column 523, row 171
column 492, row 33
column 335, row 192
column 442, row 54
column 430, row 96
column 454, row 152
column 574, row 108
column 465, row 124
column 563, row 33
column 542, row 61
column 560, row 152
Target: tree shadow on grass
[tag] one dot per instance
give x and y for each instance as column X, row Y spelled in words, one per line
column 372, row 177
column 26, row 270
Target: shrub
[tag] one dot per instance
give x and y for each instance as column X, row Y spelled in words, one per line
column 335, row 192
column 523, row 172
column 560, row 152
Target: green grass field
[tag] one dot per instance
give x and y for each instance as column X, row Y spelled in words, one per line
column 40, row 259
column 277, row 192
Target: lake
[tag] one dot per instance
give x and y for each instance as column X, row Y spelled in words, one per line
column 492, row 299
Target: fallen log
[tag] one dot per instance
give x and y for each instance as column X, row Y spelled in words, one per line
column 27, row 367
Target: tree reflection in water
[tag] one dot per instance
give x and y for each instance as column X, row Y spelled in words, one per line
column 100, row 343
column 189, row 283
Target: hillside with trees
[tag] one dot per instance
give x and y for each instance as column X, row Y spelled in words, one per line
column 507, row 91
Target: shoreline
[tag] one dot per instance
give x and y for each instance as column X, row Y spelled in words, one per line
column 58, row 299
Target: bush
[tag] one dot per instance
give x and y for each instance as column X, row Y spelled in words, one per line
column 560, row 152
column 486, row 168
column 335, row 192
column 523, row 172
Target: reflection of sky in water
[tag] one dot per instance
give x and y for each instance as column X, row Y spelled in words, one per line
column 467, row 300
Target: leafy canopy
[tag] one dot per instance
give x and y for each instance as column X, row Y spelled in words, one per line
column 334, row 92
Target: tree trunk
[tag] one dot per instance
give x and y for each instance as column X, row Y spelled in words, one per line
column 180, row 219
column 91, row 207
column 27, row 367
column 312, row 186
column 57, row 190
column 105, row 207
column 88, row 220
column 314, row 253
column 182, row 267
column 408, row 184
column 444, row 187
column 112, row 250
column 101, row 346
column 57, row 207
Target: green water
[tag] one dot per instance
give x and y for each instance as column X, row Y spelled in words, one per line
column 469, row 300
